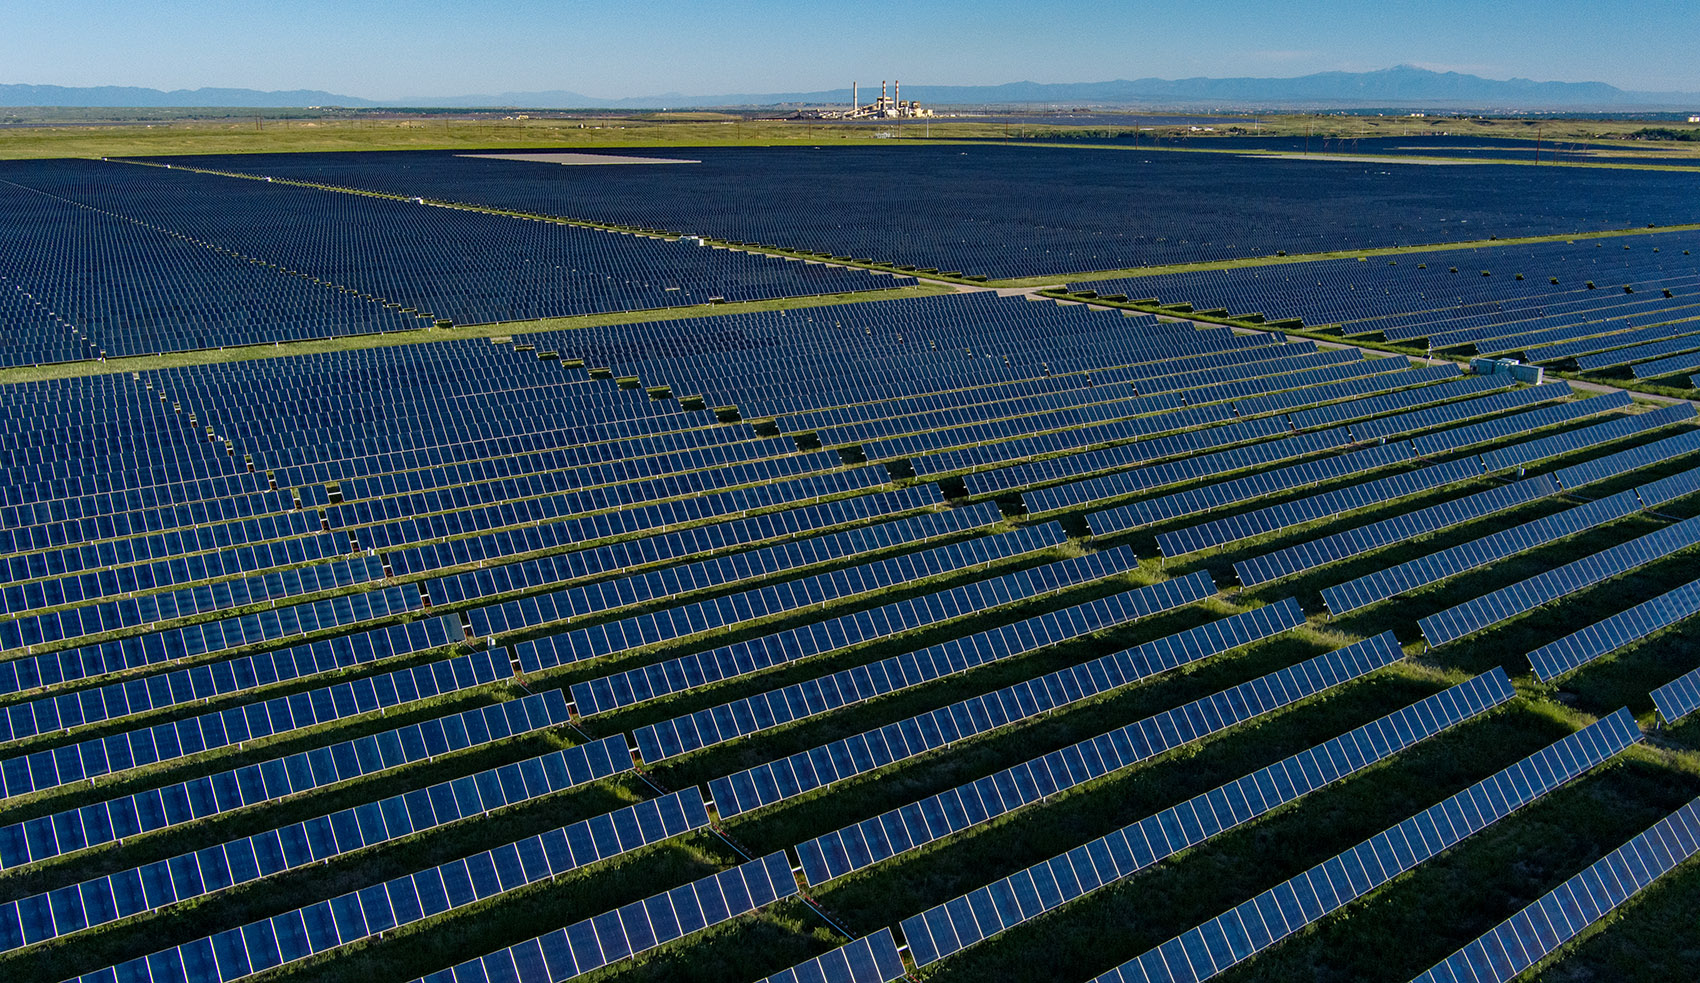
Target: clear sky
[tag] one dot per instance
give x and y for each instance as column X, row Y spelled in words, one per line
column 392, row 49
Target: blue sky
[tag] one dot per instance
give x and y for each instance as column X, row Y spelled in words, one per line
column 391, row 49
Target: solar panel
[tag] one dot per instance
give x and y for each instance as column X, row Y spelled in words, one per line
column 1518, row 943
column 869, row 959
column 361, row 914
column 1679, row 697
column 742, row 658
column 769, row 783
column 1500, row 458
column 281, row 715
column 948, row 928
column 245, row 859
column 141, row 812
column 1624, row 462
column 1550, row 585
column 616, row 637
column 1435, row 567
column 1555, row 659
column 1386, row 532
column 705, row 728
column 636, row 928
column 1326, row 505
column 1381, row 428
column 912, row 826
column 1210, row 497
column 1259, row 923
column 1500, row 428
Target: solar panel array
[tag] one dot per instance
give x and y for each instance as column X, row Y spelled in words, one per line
column 1006, row 211
column 948, row 928
column 1555, row 659
column 1539, row 300
column 140, row 889
column 260, row 615
column 636, row 928
column 766, row 784
column 1550, row 585
column 919, row 823
column 1287, row 908
column 1565, row 912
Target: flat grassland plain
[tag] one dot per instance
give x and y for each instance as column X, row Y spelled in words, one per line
column 965, row 550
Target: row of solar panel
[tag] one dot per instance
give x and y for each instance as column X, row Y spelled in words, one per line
column 245, row 859
column 1006, row 440
column 636, row 928
column 960, row 448
column 870, row 959
column 1076, row 462
column 754, row 655
column 914, row 825
column 1577, row 649
column 1390, row 582
column 38, row 839
column 199, row 682
column 729, row 610
column 1500, row 428
column 1395, row 402
column 112, row 540
column 740, row 718
column 1207, row 498
column 840, row 760
column 1339, row 364
column 675, row 545
column 1189, row 468
column 126, row 750
column 805, row 771
column 270, row 570
column 325, row 925
column 574, row 491
column 953, row 926
column 805, row 640
column 1399, row 528
column 152, row 562
column 1500, row 458
column 1550, row 585
column 1384, row 427
column 1565, row 912
column 1261, row 922
column 621, row 520
column 1245, row 525
column 886, row 436
column 681, row 578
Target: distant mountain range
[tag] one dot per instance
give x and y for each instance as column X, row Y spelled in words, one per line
column 1402, row 87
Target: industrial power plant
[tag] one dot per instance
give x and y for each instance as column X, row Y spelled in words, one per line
column 885, row 107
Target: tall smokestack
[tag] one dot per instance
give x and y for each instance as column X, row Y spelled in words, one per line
column 855, row 99
column 882, row 90
column 897, row 92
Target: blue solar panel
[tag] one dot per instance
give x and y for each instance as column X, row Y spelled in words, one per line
column 670, row 738
column 1499, row 428
column 1326, row 505
column 1383, row 584
column 639, row 926
column 1679, row 697
column 948, row 928
column 1386, row 532
column 1277, row 913
column 1500, row 458
column 742, row 658
column 281, row 715
column 1209, row 497
column 869, row 959
column 914, row 825
column 1566, row 911
column 245, row 859
column 38, row 839
column 409, row 898
column 769, row 783
column 1550, row 585
column 1555, row 659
